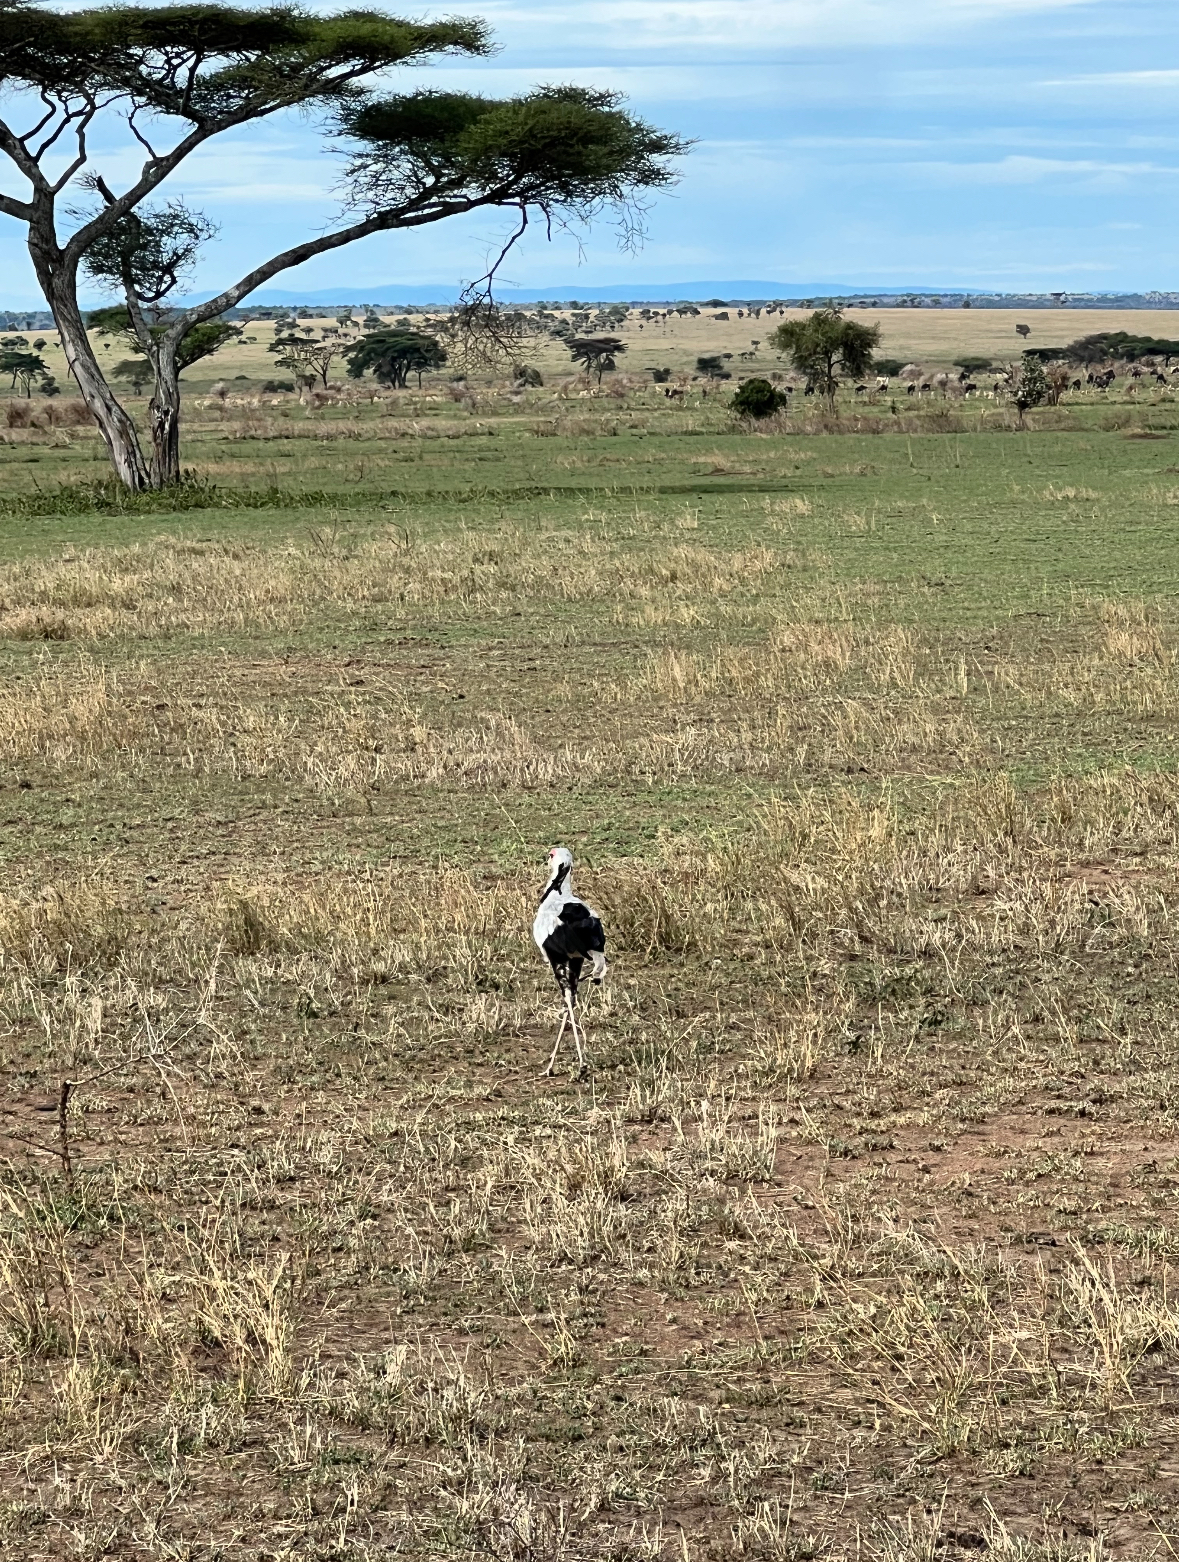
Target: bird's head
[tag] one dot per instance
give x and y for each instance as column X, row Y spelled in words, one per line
column 560, row 864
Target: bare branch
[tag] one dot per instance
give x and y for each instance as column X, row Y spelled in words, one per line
column 68, row 117
column 140, row 137
column 481, row 287
column 195, row 64
column 11, row 207
column 138, row 319
column 52, row 109
column 154, row 172
column 12, row 145
column 80, row 158
column 379, row 222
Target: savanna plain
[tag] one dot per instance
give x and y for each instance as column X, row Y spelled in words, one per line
column 860, row 1236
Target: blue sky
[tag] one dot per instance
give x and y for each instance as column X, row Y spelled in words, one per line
column 981, row 143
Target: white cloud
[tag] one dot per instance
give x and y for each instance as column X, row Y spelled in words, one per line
column 1163, row 78
column 683, row 27
column 1035, row 170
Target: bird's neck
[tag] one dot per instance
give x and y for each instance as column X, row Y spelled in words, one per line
column 559, row 886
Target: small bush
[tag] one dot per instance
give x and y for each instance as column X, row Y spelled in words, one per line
column 758, row 399
column 20, row 414
column 69, row 414
column 272, row 387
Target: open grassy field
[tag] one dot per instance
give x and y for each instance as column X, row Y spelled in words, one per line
column 931, row 337
column 859, row 1239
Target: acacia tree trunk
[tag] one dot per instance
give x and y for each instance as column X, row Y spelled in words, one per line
column 114, row 424
column 164, row 412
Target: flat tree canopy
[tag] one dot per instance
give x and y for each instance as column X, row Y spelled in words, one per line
column 598, row 353
column 394, row 354
column 174, row 77
column 1104, row 345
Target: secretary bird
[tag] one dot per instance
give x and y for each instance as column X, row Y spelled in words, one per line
column 568, row 933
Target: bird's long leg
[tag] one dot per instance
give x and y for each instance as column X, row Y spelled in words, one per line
column 576, row 1032
column 556, row 1047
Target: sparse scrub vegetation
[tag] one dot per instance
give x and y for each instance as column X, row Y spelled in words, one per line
column 858, row 1242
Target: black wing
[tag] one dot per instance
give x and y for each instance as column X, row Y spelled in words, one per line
column 576, row 935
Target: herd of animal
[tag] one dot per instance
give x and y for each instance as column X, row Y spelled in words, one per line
column 946, row 384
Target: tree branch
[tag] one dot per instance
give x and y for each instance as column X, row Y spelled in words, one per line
column 52, row 109
column 154, row 172
column 481, row 287
column 11, row 207
column 12, row 145
column 379, row 222
column 80, row 160
column 141, row 138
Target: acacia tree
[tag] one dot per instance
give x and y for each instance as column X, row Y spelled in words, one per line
column 200, row 341
column 394, row 354
column 598, row 353
column 826, row 347
column 307, row 360
column 178, row 76
column 23, row 366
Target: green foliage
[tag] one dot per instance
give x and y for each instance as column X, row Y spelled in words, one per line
column 598, row 353
column 307, row 359
column 1104, row 345
column 1028, row 385
column 137, row 370
column 889, row 366
column 566, row 152
column 214, row 65
column 199, row 341
column 557, row 148
column 23, row 367
column 148, row 252
column 393, row 354
column 203, row 340
column 757, row 398
column 826, row 348
column 969, row 363
column 712, row 366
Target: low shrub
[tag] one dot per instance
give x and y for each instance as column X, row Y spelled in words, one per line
column 757, row 398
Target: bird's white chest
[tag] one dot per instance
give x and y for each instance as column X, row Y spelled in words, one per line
column 548, row 915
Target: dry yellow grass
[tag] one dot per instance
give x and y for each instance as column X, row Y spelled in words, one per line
column 859, row 1240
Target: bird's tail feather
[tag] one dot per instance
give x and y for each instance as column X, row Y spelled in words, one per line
column 600, row 965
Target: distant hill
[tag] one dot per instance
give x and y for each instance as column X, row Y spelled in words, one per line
column 633, row 292
column 389, row 295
